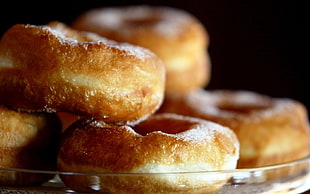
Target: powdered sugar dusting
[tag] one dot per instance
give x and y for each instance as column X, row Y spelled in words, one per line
column 60, row 34
column 66, row 35
column 5, row 62
column 214, row 102
column 174, row 25
column 204, row 132
column 201, row 131
column 166, row 21
column 197, row 135
column 279, row 106
column 132, row 50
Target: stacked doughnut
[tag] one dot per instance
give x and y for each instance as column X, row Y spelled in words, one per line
column 270, row 130
column 116, row 88
column 28, row 138
column 162, row 143
column 52, row 68
column 174, row 35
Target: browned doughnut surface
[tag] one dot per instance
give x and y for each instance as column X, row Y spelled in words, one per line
column 165, row 143
column 27, row 141
column 176, row 36
column 55, row 68
column 270, row 130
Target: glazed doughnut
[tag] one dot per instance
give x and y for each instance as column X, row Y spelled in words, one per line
column 55, row 68
column 163, row 143
column 176, row 36
column 270, row 130
column 27, row 141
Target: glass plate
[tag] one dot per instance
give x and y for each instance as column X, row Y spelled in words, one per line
column 291, row 177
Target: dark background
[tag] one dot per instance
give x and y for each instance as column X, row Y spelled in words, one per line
column 255, row 45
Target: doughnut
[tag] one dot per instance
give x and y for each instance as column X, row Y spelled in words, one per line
column 270, row 130
column 176, row 36
column 143, row 153
column 27, row 141
column 53, row 68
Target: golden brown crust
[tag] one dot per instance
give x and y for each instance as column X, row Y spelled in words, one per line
column 27, row 141
column 165, row 143
column 177, row 37
column 55, row 68
column 270, row 130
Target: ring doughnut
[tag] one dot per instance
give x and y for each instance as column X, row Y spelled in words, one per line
column 54, row 68
column 176, row 36
column 270, row 130
column 27, row 141
column 183, row 144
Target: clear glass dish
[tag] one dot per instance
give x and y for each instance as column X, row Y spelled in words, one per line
column 291, row 177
